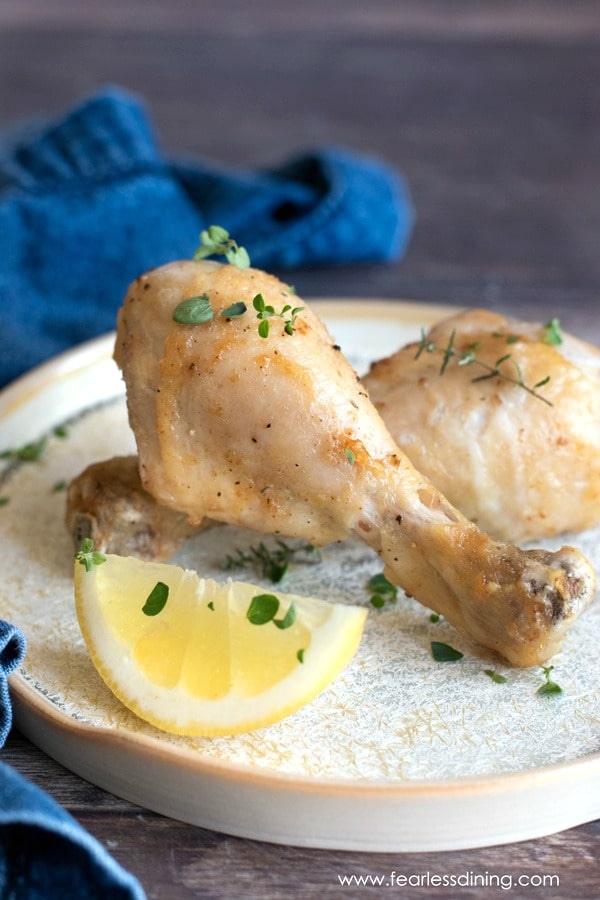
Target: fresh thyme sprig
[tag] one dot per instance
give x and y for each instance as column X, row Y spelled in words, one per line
column 31, row 452
column 271, row 563
column 215, row 241
column 288, row 313
column 549, row 686
column 469, row 357
column 88, row 557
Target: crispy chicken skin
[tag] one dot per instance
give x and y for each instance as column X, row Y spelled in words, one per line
column 278, row 434
column 108, row 504
column 520, row 468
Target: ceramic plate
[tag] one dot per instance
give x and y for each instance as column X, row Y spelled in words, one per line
column 400, row 754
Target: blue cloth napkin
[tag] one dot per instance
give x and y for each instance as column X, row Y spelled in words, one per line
column 44, row 852
column 88, row 203
column 12, row 651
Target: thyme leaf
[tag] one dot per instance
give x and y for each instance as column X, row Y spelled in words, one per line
column 235, row 310
column 288, row 620
column 193, row 310
column 444, row 652
column 552, row 332
column 263, row 608
column 156, row 599
column 496, row 677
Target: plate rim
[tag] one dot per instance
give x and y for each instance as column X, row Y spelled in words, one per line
column 27, row 694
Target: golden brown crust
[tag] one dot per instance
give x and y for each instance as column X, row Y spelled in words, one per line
column 108, row 504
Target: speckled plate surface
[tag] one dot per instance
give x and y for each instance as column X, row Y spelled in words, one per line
column 400, row 753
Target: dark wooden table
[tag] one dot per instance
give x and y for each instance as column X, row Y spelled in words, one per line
column 492, row 112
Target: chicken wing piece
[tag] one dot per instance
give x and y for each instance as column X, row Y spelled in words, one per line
column 278, row 434
column 108, row 504
column 520, row 466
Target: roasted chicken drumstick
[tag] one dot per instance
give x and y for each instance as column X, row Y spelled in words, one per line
column 278, row 434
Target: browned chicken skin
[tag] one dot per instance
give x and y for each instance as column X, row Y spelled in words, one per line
column 108, row 504
column 279, row 435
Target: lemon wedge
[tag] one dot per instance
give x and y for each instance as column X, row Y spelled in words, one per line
column 195, row 657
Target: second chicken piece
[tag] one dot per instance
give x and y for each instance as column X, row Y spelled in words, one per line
column 521, row 465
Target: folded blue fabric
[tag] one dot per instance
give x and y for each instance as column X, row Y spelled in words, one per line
column 12, row 651
column 44, row 852
column 89, row 202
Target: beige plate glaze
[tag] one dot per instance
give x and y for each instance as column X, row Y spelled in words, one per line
column 399, row 754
